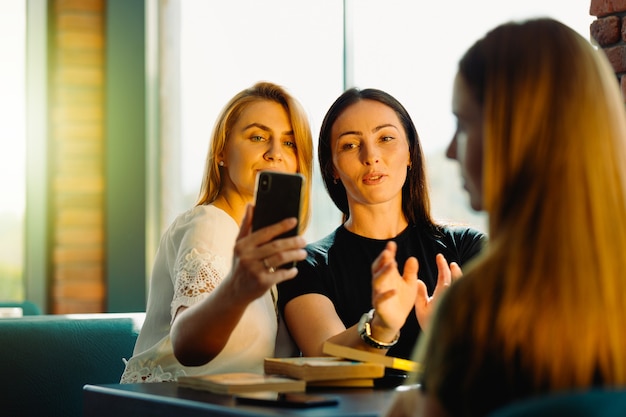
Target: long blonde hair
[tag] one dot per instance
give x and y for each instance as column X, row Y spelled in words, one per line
column 549, row 294
column 261, row 91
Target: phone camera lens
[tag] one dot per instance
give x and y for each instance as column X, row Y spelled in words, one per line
column 265, row 183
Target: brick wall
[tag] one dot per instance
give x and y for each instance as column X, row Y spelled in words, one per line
column 609, row 31
column 77, row 156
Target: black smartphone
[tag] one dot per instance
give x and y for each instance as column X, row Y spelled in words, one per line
column 287, row 399
column 277, row 197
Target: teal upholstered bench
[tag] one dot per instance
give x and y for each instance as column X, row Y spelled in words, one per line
column 590, row 403
column 46, row 360
column 25, row 308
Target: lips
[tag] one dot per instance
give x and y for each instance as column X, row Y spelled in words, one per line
column 274, row 169
column 373, row 178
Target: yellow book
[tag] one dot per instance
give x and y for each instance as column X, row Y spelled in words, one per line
column 239, row 382
column 322, row 368
column 343, row 383
column 346, row 352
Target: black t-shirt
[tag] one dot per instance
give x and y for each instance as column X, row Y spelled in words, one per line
column 339, row 267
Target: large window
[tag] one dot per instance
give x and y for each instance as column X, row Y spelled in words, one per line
column 408, row 48
column 12, row 147
column 228, row 46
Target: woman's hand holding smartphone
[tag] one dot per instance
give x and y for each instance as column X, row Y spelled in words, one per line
column 277, row 197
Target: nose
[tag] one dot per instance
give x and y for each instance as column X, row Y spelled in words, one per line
column 274, row 152
column 451, row 150
column 370, row 154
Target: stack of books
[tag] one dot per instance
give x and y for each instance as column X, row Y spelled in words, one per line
column 327, row 371
column 241, row 382
column 344, row 367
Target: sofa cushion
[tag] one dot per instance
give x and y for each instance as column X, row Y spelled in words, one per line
column 47, row 359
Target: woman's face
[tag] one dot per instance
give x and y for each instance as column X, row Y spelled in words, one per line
column 467, row 143
column 262, row 139
column 370, row 153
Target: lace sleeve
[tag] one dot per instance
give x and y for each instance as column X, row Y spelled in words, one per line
column 197, row 274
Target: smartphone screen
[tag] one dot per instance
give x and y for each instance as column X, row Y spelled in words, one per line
column 277, row 197
column 287, row 399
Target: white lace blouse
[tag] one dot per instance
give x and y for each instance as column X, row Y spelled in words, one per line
column 194, row 256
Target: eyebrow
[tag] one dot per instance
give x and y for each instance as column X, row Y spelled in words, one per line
column 376, row 129
column 265, row 128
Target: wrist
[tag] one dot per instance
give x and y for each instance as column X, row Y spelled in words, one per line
column 373, row 334
column 381, row 331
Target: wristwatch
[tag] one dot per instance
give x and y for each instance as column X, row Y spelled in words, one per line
column 365, row 331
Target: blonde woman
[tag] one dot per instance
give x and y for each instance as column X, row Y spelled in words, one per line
column 211, row 306
column 541, row 141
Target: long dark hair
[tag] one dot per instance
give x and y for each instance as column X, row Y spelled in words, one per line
column 415, row 199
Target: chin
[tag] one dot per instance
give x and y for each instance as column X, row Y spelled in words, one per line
column 476, row 202
column 476, row 206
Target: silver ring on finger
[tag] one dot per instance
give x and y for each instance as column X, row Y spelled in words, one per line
column 267, row 266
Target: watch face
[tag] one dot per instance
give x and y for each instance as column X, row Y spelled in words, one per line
column 364, row 323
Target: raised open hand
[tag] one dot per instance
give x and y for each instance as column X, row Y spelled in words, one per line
column 393, row 295
column 425, row 305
